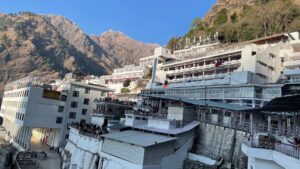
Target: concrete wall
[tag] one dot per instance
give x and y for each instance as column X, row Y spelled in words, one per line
column 83, row 150
column 176, row 160
column 216, row 141
column 128, row 152
column 41, row 112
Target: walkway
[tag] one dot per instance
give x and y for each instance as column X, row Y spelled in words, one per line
column 53, row 159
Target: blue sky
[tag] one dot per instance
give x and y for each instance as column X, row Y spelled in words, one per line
column 154, row 21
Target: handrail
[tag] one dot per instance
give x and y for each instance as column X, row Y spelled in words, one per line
column 289, row 150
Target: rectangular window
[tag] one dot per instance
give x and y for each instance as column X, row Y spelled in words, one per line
column 82, row 121
column 63, row 98
column 74, row 104
column 60, row 108
column 87, row 90
column 72, row 115
column 84, row 111
column 59, row 120
column 86, row 101
column 75, row 93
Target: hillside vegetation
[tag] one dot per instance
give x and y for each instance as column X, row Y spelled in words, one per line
column 238, row 22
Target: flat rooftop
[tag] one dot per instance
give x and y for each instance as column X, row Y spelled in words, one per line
column 139, row 138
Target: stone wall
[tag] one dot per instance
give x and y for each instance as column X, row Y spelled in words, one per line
column 216, row 141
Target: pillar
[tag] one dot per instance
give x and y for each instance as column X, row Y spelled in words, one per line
column 288, row 125
column 279, row 125
column 269, row 123
column 241, row 119
column 251, row 123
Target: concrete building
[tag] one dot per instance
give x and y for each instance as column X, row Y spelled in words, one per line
column 115, row 81
column 42, row 108
column 147, row 142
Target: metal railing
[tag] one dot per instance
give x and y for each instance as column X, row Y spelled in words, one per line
column 289, row 150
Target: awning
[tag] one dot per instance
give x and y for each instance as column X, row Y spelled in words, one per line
column 282, row 104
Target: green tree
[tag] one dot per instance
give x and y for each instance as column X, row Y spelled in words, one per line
column 221, row 17
column 125, row 90
column 126, row 83
column 234, row 17
column 172, row 44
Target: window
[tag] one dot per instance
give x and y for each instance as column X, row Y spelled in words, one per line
column 72, row 115
column 82, row 121
column 84, row 111
column 74, row 104
column 60, row 108
column 86, row 101
column 87, row 90
column 63, row 98
column 75, row 93
column 59, row 120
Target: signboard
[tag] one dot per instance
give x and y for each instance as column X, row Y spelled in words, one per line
column 51, row 94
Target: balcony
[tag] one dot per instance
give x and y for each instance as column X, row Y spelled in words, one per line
column 289, row 72
column 292, row 64
column 287, row 156
column 295, row 55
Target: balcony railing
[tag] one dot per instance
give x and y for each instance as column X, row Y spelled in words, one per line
column 289, row 150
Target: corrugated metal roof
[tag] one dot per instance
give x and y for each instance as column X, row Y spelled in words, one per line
column 139, row 138
column 281, row 104
column 226, row 106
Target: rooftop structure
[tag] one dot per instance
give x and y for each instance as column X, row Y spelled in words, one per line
column 139, row 138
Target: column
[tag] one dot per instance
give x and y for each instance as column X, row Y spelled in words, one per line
column 288, row 125
column 279, row 125
column 295, row 124
column 251, row 123
column 284, row 127
column 241, row 118
column 269, row 123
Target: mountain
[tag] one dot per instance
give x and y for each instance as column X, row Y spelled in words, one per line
column 117, row 44
column 49, row 45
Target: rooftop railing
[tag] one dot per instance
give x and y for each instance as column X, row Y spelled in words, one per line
column 287, row 149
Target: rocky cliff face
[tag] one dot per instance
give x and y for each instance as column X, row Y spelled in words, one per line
column 230, row 5
column 49, row 45
column 216, row 141
column 133, row 50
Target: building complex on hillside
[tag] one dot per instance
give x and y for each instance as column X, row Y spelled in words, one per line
column 250, row 90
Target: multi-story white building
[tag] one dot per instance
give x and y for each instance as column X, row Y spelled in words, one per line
column 160, row 53
column 119, row 75
column 42, row 108
column 291, row 59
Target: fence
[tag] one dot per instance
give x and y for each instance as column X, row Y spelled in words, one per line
column 289, row 150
